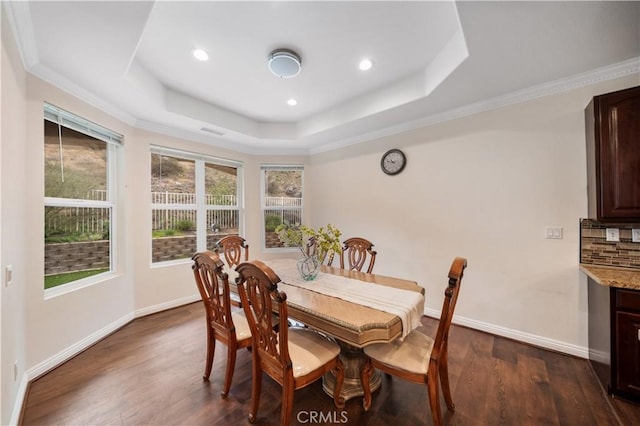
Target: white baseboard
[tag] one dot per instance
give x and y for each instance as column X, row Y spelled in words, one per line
column 532, row 339
column 166, row 305
column 76, row 348
column 59, row 358
column 73, row 350
column 17, row 408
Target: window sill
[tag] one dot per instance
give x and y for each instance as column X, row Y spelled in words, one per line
column 184, row 261
column 63, row 289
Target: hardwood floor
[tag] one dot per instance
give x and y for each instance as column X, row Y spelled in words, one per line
column 150, row 372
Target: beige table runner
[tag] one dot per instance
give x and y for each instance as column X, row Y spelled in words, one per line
column 407, row 304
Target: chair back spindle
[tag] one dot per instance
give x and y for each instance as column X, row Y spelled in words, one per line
column 258, row 285
column 324, row 257
column 213, row 285
column 234, row 249
column 355, row 253
column 448, row 306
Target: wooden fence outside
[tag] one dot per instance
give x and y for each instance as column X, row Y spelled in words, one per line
column 224, row 214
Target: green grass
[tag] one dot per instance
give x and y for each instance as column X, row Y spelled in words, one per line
column 59, row 279
column 159, row 233
column 73, row 238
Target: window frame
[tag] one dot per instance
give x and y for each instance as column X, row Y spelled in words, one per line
column 200, row 206
column 264, row 208
column 113, row 141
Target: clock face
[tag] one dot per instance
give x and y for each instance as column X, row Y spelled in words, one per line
column 393, row 161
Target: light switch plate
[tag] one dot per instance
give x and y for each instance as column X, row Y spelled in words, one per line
column 613, row 234
column 635, row 235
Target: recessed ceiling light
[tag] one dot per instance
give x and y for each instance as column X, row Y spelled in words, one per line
column 292, row 102
column 200, row 54
column 365, row 64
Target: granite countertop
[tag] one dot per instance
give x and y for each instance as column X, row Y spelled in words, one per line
column 612, row 276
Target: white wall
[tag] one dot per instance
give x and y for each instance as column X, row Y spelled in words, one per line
column 57, row 323
column 483, row 187
column 13, row 248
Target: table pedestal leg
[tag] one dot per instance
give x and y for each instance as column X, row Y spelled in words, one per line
column 353, row 359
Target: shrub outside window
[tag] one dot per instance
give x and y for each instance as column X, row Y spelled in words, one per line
column 195, row 201
column 78, row 200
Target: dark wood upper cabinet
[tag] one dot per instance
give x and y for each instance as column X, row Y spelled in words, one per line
column 613, row 156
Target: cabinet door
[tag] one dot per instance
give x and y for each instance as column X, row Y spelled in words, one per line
column 617, row 133
column 628, row 354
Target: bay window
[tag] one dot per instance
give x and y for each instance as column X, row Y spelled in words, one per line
column 195, row 200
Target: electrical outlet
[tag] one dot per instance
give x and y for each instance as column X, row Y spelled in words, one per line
column 553, row 233
column 613, row 234
column 635, row 235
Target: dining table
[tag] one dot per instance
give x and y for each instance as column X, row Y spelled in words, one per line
column 354, row 308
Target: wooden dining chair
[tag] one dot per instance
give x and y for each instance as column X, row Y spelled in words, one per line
column 233, row 248
column 294, row 357
column 357, row 250
column 225, row 325
column 313, row 250
column 419, row 358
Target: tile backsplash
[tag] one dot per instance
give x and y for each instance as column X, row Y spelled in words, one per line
column 596, row 250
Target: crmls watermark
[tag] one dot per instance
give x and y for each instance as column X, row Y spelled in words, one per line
column 319, row 417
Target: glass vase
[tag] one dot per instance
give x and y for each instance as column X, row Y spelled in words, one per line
column 308, row 267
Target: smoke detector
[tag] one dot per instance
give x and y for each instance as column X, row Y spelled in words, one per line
column 284, row 63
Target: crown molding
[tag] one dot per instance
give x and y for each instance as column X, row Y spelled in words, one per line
column 19, row 18
column 63, row 83
column 611, row 72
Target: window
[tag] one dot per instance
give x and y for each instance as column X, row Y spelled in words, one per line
column 195, row 201
column 281, row 199
column 79, row 164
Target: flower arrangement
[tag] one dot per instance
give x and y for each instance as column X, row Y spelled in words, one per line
column 323, row 242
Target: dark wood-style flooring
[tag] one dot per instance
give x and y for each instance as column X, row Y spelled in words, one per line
column 150, row 372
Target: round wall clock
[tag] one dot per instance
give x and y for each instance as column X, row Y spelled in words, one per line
column 393, row 161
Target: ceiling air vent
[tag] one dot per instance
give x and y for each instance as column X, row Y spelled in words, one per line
column 213, row 132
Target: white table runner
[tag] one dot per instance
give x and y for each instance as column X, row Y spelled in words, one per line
column 407, row 304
